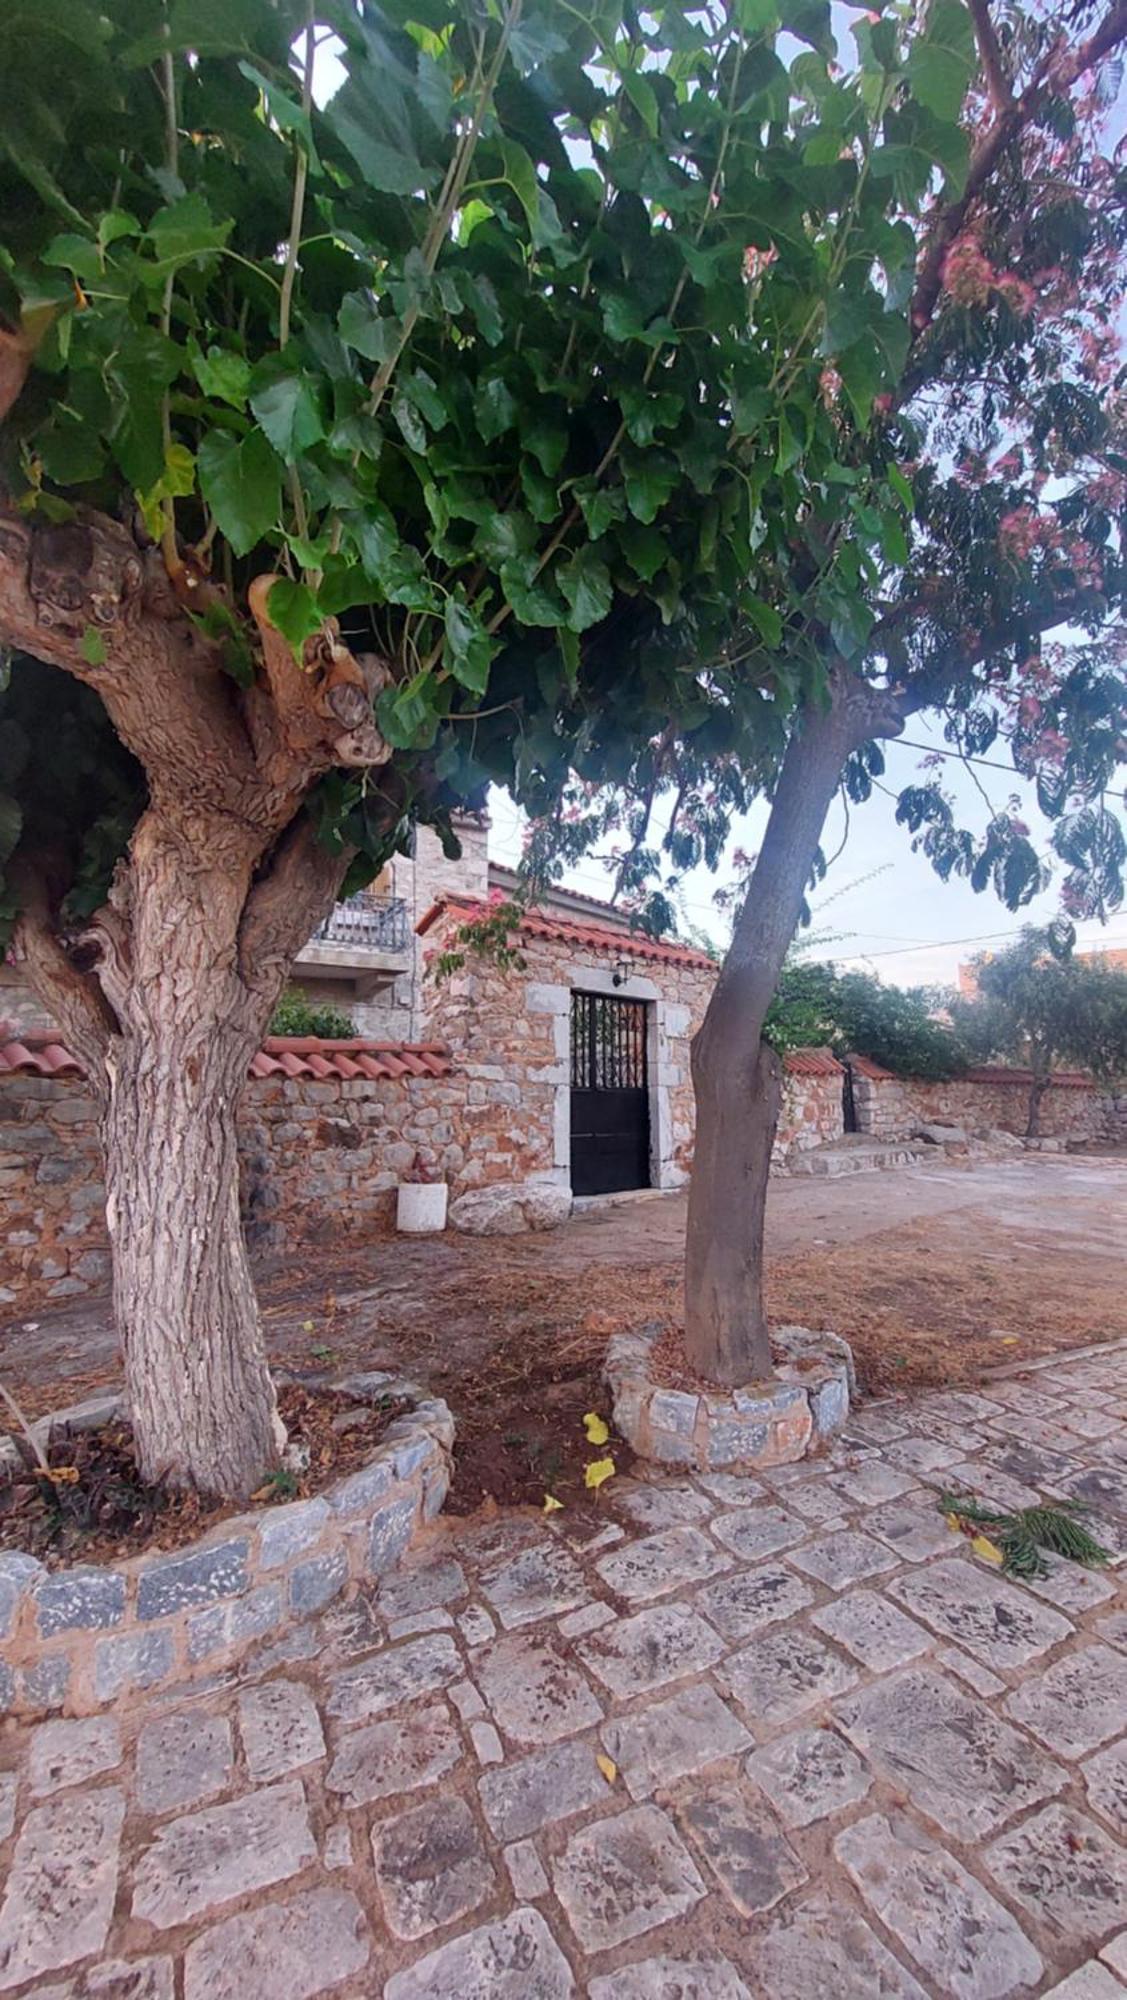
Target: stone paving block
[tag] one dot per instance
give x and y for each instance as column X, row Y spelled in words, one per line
column 666, row 1506
column 514, row 1959
column 526, row 1872
column 662, row 1562
column 872, row 1629
column 983, row 1479
column 295, row 1949
column 1105, row 1780
column 847, row 1557
column 956, row 1933
column 656, row 1745
column 430, row 1865
column 972, row 1672
column 874, row 1482
column 67, row 1753
column 1070, row 1586
column 8, row 1785
column 1066, row 1871
column 124, row 1979
column 1001, row 1625
column 663, row 1643
column 205, row 1859
column 336, row 1850
column 62, row 1879
column 173, row 1583
column 751, row 1599
column 428, row 1584
column 953, row 1757
column 399, row 1755
column 1077, row 1703
column 182, row 1760
column 913, row 1533
column 778, row 1676
column 1089, row 1982
column 131, row 1660
column 522, row 1798
column 622, row 1877
column 1113, row 1628
column 921, row 1455
column 809, row 1775
column 403, row 1673
column 536, row 1694
column 820, row 1949
column 671, row 1979
column 733, row 1489
column 876, row 1425
column 538, row 1583
column 280, row 1728
column 476, row 1626
column 818, row 1501
column 486, row 1742
column 1115, row 1955
column 743, row 1844
column 589, row 1617
column 754, row 1532
column 85, row 1600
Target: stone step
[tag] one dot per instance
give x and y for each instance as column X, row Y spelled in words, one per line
column 858, row 1155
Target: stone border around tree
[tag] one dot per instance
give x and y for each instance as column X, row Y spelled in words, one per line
column 772, row 1422
column 73, row 1641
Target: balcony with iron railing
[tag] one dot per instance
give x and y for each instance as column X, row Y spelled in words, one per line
column 367, row 922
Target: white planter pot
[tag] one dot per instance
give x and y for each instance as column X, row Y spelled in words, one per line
column 421, row 1207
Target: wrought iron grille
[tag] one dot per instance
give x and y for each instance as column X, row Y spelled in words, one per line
column 608, row 1042
column 374, row 923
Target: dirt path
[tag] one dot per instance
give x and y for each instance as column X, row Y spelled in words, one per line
column 934, row 1274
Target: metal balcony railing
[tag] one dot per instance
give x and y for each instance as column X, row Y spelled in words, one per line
column 371, row 923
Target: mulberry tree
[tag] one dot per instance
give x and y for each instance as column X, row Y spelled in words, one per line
column 399, row 397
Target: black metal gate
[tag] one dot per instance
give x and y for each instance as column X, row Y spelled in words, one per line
column 848, row 1102
column 610, row 1105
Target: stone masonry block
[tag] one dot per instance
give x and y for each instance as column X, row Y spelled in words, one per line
column 79, row 1600
column 174, row 1583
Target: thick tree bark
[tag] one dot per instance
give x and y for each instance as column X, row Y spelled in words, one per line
column 166, row 995
column 737, row 1079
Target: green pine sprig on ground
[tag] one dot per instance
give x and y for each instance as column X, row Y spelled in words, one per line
column 1023, row 1537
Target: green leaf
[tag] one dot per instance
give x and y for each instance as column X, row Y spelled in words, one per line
column 242, row 484
column 766, row 620
column 221, row 373
column 405, row 715
column 287, row 404
column 294, row 610
column 601, row 505
column 586, row 584
column 643, row 98
column 495, row 407
column 645, row 549
column 941, row 60
column 410, row 422
column 486, row 310
column 531, row 599
column 77, row 254
column 649, row 482
column 186, row 229
column 901, row 486
column 93, row 647
column 547, row 441
column 288, row 114
column 363, row 328
column 468, row 648
column 521, row 176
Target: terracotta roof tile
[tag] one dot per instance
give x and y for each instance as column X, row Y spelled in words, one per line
column 865, row 1066
column 1064, row 1079
column 811, row 1062
column 544, row 923
column 40, row 1054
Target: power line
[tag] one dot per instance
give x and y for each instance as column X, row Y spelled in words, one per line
column 984, row 937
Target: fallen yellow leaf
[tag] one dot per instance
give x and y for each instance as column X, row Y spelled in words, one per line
column 599, row 1470
column 953, row 1523
column 988, row 1550
column 1011, row 1340
column 596, row 1428
column 607, row 1766
column 552, row 1505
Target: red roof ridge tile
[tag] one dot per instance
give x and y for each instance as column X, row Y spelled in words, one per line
column 819, row 1061
column 544, row 922
column 40, row 1052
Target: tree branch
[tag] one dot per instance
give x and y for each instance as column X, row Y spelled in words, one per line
column 285, row 905
column 1054, row 78
column 74, row 998
column 990, row 56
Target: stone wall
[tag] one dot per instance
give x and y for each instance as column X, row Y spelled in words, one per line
column 891, row 1107
column 512, row 1033
column 812, row 1114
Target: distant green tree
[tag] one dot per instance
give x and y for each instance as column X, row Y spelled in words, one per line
column 1040, row 1005
column 855, row 1014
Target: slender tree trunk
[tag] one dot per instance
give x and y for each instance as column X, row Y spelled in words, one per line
column 1037, row 1091
column 737, row 1079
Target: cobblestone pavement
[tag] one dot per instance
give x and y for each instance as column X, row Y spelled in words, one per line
column 782, row 1737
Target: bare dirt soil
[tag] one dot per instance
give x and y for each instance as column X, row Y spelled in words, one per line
column 935, row 1274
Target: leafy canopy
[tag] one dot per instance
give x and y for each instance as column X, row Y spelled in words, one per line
column 854, row 1014
column 587, row 364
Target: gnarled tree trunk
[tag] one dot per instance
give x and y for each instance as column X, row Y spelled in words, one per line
column 1037, row 1091
column 737, row 1079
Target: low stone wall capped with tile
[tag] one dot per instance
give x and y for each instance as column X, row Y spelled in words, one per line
column 892, row 1107
column 73, row 1641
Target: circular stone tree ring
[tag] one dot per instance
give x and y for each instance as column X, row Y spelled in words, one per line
column 770, row 1422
